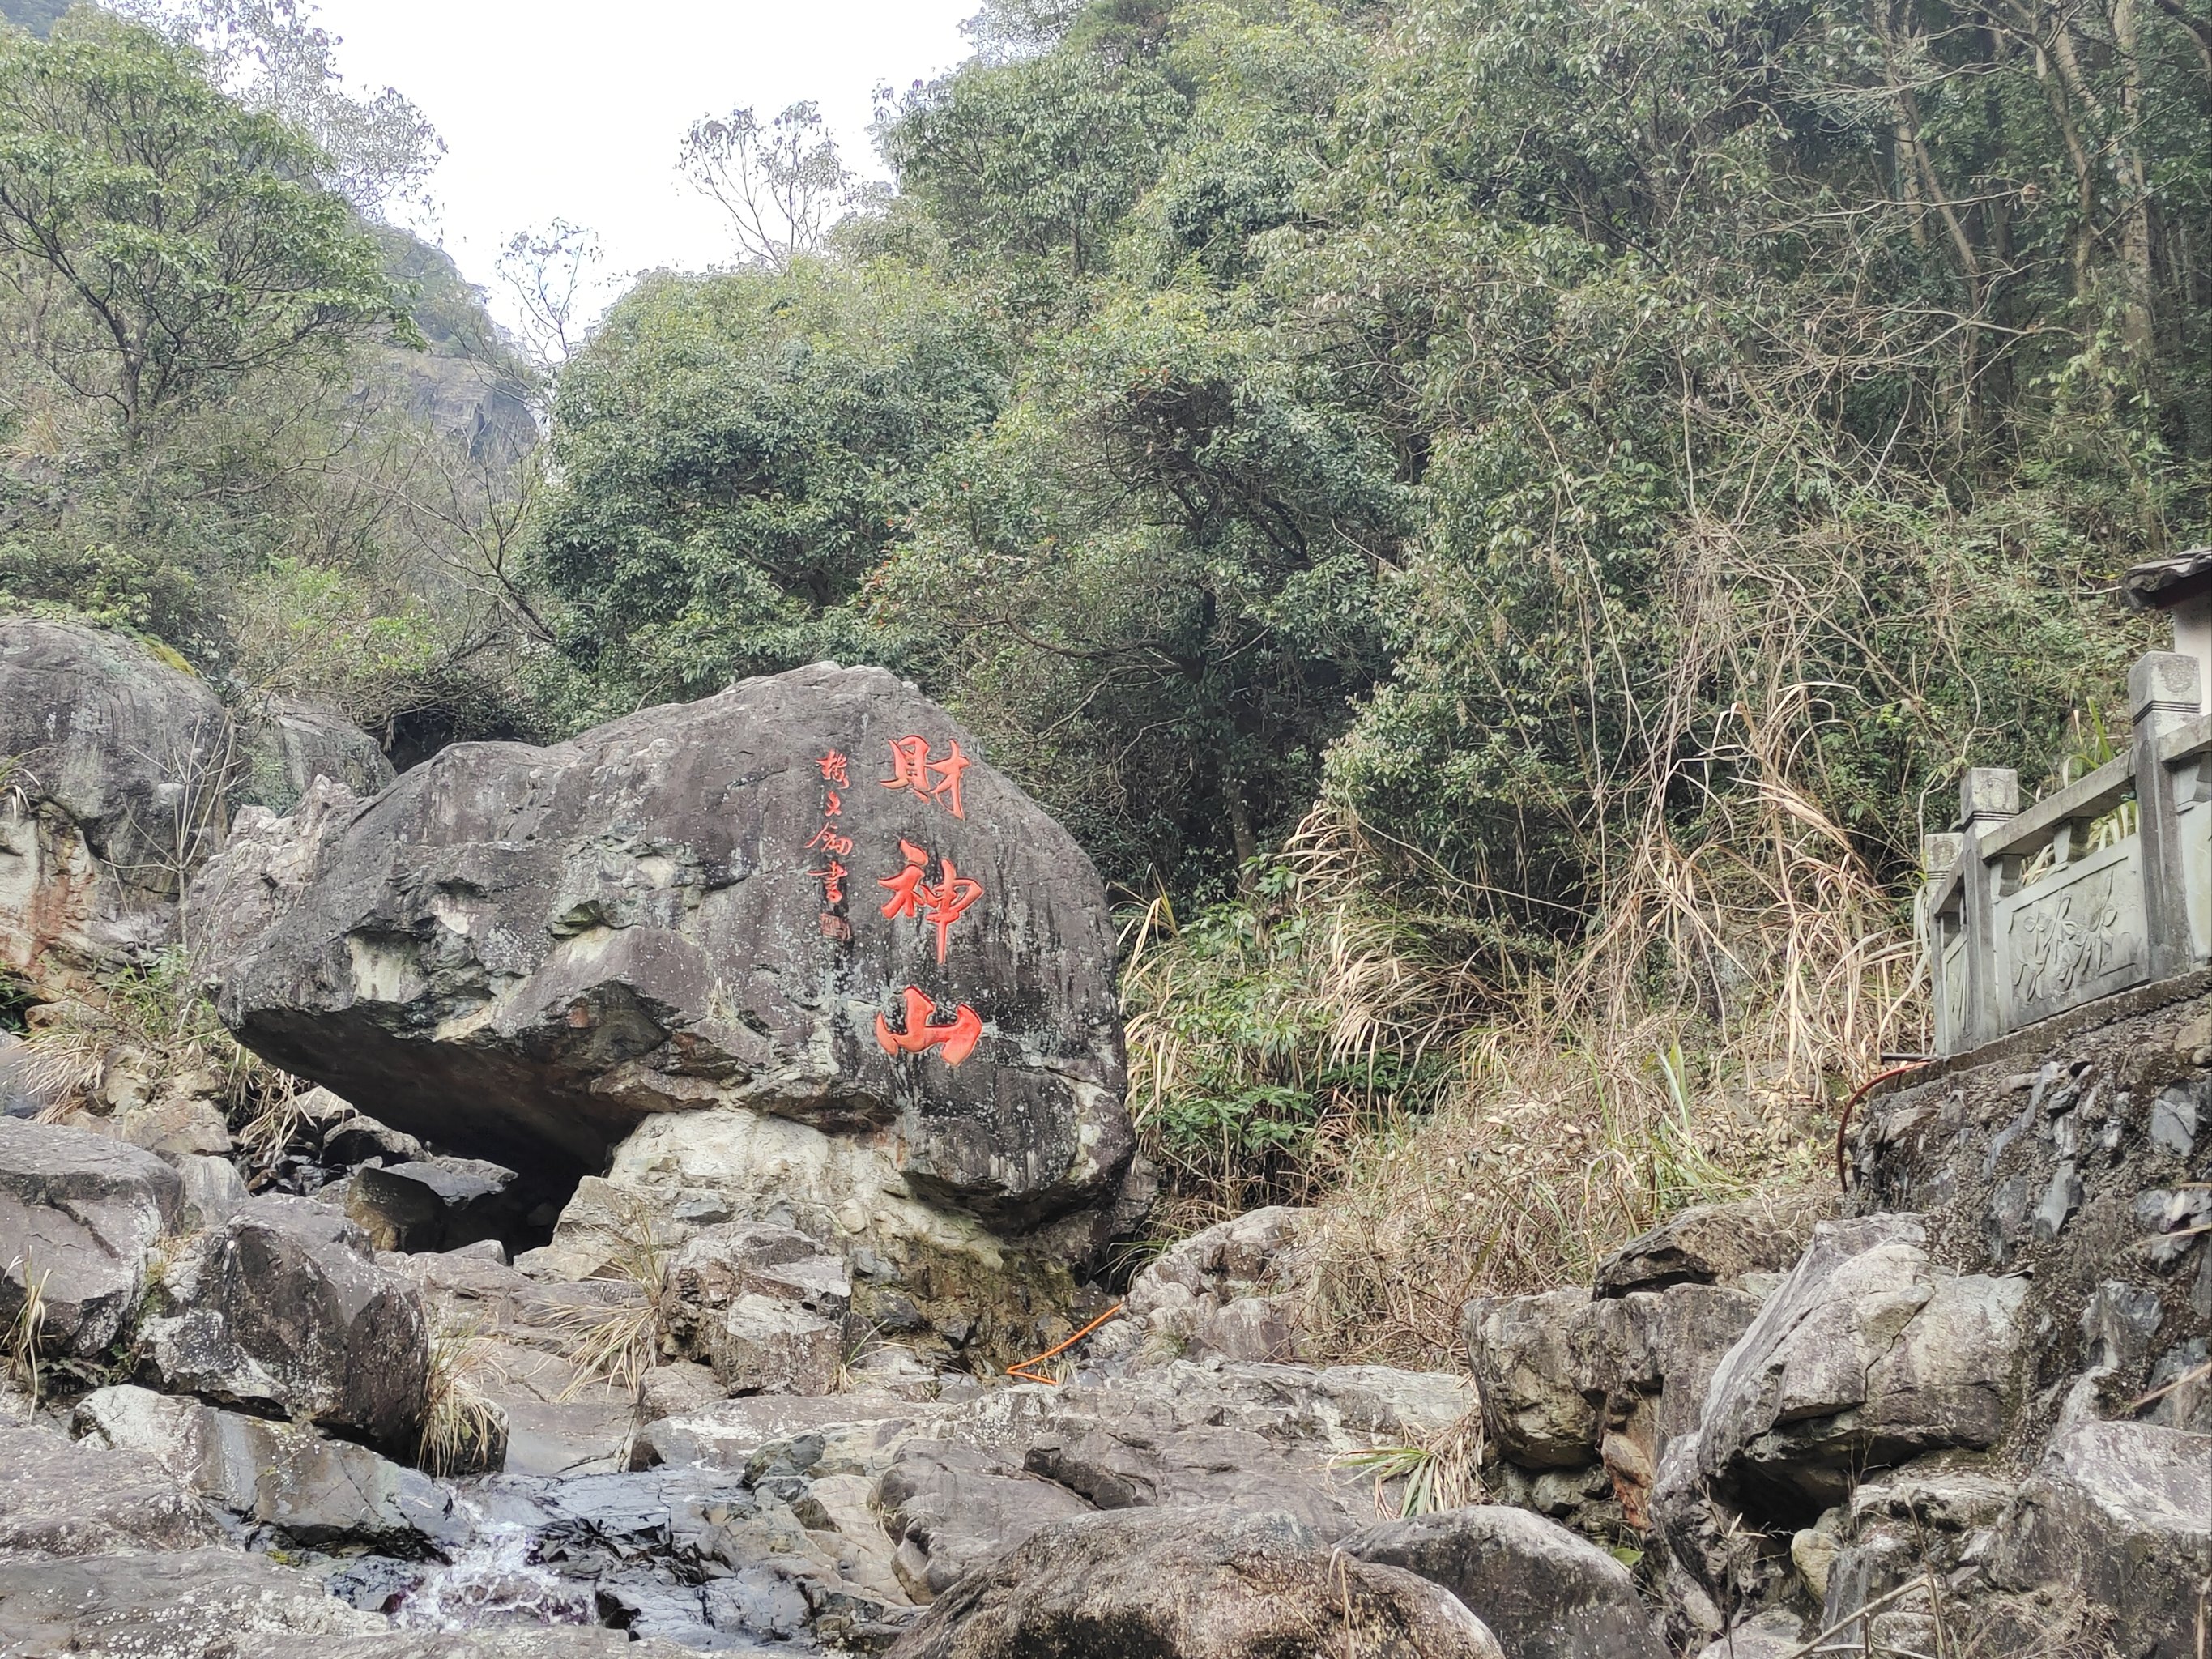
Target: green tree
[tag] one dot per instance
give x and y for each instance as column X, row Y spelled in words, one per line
column 167, row 241
column 736, row 452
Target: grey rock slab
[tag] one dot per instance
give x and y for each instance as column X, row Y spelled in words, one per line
column 292, row 741
column 214, row 1191
column 78, row 1214
column 282, row 1309
column 725, row 1433
column 207, row 1602
column 59, row 1498
column 1207, row 1584
column 523, row 953
column 1769, row 1635
column 1525, row 1371
column 2173, row 1118
column 1867, row 1354
column 1544, row 1592
column 314, row 1492
column 1710, row 1244
column 951, row 1508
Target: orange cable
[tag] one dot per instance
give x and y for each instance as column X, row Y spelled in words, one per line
column 1023, row 1371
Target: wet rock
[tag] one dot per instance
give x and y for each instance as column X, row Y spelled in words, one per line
column 1524, row 1372
column 60, row 1499
column 281, row 1308
column 1212, row 1583
column 2121, row 1515
column 188, row 1603
column 114, row 753
column 1545, row 1593
column 78, row 1214
column 1711, row 1244
column 1867, row 1354
column 528, row 953
column 309, row 1489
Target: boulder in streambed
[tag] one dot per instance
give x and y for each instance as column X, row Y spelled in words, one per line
column 791, row 953
column 281, row 1308
column 79, row 1212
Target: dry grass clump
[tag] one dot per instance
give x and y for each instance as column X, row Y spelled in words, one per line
column 1465, row 1127
column 619, row 1344
column 462, row 1432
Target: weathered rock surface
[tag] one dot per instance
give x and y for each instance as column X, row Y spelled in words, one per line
column 280, row 1308
column 763, row 1305
column 308, row 1490
column 60, row 1499
column 1214, row 1293
column 295, row 740
column 433, row 1203
column 1525, row 1373
column 116, row 788
column 1545, row 1593
column 78, row 1214
column 2120, row 1513
column 1207, row 1584
column 1866, row 1355
column 1711, row 1244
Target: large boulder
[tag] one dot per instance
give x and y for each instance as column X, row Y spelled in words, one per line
column 114, row 771
column 1204, row 1583
column 1866, row 1355
column 803, row 900
column 308, row 1490
column 1524, row 1370
column 78, row 1214
column 281, row 1308
column 2121, row 1515
column 1545, row 1593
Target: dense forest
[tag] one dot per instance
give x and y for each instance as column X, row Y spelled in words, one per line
column 1496, row 526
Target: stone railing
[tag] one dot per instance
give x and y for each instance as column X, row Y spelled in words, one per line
column 2021, row 919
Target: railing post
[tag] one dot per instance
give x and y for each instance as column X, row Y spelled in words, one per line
column 1937, row 854
column 1988, row 796
column 2163, row 690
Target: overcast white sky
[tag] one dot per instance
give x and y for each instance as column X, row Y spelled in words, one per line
column 560, row 107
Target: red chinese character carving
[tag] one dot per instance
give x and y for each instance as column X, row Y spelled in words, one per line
column 949, row 771
column 840, row 845
column 832, row 802
column 911, row 767
column 833, row 770
column 907, row 895
column 833, row 882
column 948, row 901
column 939, row 904
column 957, row 1039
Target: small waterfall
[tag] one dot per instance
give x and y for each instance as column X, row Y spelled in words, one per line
column 493, row 1581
